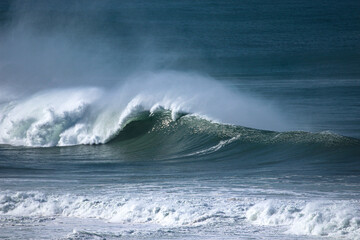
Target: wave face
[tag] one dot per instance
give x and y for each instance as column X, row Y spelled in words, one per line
column 93, row 116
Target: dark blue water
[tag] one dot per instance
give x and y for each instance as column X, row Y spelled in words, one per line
column 179, row 120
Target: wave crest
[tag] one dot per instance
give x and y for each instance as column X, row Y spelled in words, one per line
column 93, row 116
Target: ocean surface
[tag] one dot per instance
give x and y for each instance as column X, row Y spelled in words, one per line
column 180, row 119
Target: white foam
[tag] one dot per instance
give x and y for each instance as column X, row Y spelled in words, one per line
column 161, row 211
column 39, row 120
column 298, row 217
column 320, row 218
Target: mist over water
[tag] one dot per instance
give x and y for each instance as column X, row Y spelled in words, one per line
column 179, row 120
column 63, row 47
column 99, row 42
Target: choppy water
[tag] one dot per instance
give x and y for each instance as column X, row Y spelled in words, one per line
column 205, row 120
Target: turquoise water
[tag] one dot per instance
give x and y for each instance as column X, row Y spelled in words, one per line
column 183, row 120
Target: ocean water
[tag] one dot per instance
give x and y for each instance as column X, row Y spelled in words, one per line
column 180, row 120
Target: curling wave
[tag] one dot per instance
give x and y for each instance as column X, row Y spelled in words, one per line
column 64, row 117
column 183, row 109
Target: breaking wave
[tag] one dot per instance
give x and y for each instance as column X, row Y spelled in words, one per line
column 189, row 114
column 64, row 117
